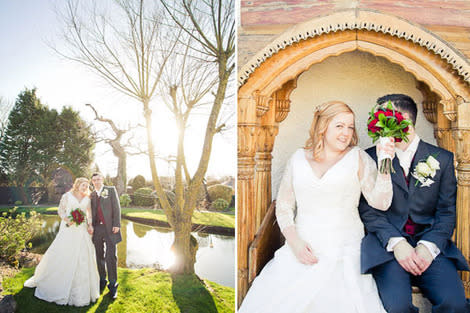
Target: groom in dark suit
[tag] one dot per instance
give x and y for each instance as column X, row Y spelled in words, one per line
column 106, row 217
column 410, row 243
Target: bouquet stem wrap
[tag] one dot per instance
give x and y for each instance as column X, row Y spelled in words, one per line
column 384, row 161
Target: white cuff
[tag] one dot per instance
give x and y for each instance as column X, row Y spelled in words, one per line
column 392, row 242
column 433, row 249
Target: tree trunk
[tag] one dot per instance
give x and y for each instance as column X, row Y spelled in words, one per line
column 184, row 247
column 121, row 178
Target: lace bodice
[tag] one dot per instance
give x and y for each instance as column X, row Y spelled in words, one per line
column 335, row 196
column 69, row 202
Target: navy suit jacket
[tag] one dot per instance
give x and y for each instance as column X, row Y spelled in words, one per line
column 433, row 207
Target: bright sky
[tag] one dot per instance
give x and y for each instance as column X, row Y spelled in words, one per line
column 26, row 60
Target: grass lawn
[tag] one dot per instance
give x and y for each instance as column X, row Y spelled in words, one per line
column 143, row 290
column 204, row 218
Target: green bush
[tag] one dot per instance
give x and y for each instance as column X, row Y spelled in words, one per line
column 219, row 204
column 137, row 183
column 17, row 231
column 18, row 202
column 125, row 200
column 220, row 192
column 144, row 197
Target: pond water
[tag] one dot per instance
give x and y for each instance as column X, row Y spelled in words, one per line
column 145, row 246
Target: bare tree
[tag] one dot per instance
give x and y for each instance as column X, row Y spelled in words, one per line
column 209, row 26
column 130, row 49
column 118, row 148
column 128, row 46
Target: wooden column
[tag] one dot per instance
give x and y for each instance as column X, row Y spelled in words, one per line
column 443, row 128
column 263, row 159
column 264, row 145
column 247, row 130
column 461, row 133
column 277, row 109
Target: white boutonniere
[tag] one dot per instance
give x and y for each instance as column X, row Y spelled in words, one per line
column 104, row 193
column 425, row 171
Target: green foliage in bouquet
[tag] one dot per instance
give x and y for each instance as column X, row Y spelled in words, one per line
column 16, row 232
column 386, row 121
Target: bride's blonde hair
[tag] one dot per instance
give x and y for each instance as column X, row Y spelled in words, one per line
column 78, row 181
column 322, row 116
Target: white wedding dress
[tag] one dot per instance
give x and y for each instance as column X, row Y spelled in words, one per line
column 328, row 219
column 67, row 273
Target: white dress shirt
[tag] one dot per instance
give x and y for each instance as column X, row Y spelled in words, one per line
column 405, row 158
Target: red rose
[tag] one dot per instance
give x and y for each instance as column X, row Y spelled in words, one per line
column 398, row 139
column 372, row 126
column 399, row 117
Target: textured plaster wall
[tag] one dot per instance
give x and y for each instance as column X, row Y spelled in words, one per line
column 356, row 78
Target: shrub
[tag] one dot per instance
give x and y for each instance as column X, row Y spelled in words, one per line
column 18, row 202
column 137, row 183
column 220, row 192
column 125, row 200
column 219, row 204
column 17, row 231
column 144, row 197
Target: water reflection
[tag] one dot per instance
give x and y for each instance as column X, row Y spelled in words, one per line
column 145, row 246
column 150, row 250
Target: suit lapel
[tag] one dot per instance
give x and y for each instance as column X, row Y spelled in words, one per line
column 398, row 177
column 420, row 155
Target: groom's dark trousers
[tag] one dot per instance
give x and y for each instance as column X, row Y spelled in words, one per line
column 432, row 209
column 108, row 259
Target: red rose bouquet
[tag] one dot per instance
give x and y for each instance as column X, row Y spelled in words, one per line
column 385, row 121
column 77, row 216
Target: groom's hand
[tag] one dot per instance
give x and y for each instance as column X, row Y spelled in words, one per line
column 115, row 230
column 406, row 257
column 423, row 257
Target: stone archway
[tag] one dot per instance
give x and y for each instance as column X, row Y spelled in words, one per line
column 266, row 82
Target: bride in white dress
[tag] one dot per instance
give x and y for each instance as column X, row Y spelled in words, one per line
column 67, row 273
column 318, row 269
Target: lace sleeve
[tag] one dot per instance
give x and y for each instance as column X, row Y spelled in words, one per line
column 377, row 189
column 88, row 212
column 62, row 209
column 285, row 202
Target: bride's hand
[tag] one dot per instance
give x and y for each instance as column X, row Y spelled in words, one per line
column 388, row 148
column 303, row 251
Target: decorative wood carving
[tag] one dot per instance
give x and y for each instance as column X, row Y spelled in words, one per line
column 462, row 232
column 450, row 110
column 429, row 110
column 263, row 166
column 247, row 134
column 359, row 20
column 262, row 104
column 462, row 140
column 282, row 109
column 430, row 101
column 444, row 138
